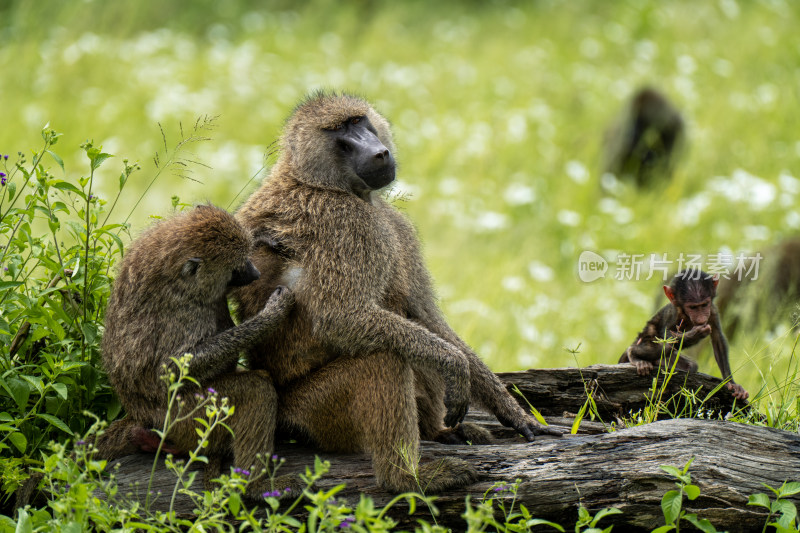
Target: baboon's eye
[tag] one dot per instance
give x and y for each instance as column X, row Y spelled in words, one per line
column 355, row 120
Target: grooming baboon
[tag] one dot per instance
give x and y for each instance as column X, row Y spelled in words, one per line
column 765, row 289
column 645, row 142
column 169, row 299
column 689, row 317
column 365, row 360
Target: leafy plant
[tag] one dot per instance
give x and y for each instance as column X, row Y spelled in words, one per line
column 672, row 502
column 782, row 513
column 57, row 251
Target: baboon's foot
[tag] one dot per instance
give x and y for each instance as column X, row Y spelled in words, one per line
column 465, row 433
column 444, row 474
column 433, row 477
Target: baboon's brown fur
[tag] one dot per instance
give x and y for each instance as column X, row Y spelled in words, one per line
column 169, row 298
column 644, row 145
column 365, row 361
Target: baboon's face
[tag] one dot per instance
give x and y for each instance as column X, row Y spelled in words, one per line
column 244, row 275
column 215, row 275
column 367, row 161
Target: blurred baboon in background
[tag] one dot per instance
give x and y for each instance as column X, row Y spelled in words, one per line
column 365, row 361
column 772, row 298
column 169, row 298
column 645, row 142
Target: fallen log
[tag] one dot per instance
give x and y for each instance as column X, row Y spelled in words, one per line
column 617, row 390
column 595, row 468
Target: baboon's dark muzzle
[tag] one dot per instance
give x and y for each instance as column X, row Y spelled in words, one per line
column 372, row 161
column 245, row 275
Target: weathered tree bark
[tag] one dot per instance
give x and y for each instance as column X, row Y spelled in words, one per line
column 618, row 469
column 617, row 389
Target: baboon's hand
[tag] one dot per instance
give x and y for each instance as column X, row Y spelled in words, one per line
column 696, row 333
column 530, row 428
column 280, row 302
column 457, row 407
column 643, row 368
column 737, row 390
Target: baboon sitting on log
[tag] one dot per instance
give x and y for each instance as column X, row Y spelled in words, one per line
column 169, row 299
column 689, row 317
column 365, row 361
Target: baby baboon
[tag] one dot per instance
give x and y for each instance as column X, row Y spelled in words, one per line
column 645, row 143
column 690, row 316
column 365, row 360
column 169, row 299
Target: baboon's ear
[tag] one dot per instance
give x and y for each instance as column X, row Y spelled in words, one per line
column 191, row 266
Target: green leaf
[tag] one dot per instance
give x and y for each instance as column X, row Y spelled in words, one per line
column 69, row 187
column 98, row 159
column 702, row 524
column 543, row 522
column 61, row 390
column 663, row 529
column 671, row 506
column 608, row 511
column 114, row 407
column 24, row 524
column 35, row 382
column 89, row 332
column 578, row 419
column 5, row 285
column 72, row 527
column 760, row 499
column 56, row 422
column 234, row 503
column 789, row 489
column 788, row 512
column 692, row 491
column 671, row 470
column 18, row 390
column 12, row 189
column 57, row 159
column 19, row 441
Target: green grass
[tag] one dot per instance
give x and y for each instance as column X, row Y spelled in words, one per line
column 498, row 113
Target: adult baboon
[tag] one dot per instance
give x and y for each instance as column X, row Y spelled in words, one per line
column 645, row 142
column 766, row 289
column 169, row 299
column 365, row 360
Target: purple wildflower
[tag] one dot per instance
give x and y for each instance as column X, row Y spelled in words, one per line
column 274, row 457
column 80, row 443
column 211, row 391
column 272, row 494
column 3, row 178
column 5, row 157
column 287, row 490
column 347, row 522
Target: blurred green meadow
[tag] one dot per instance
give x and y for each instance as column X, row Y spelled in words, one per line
column 498, row 109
